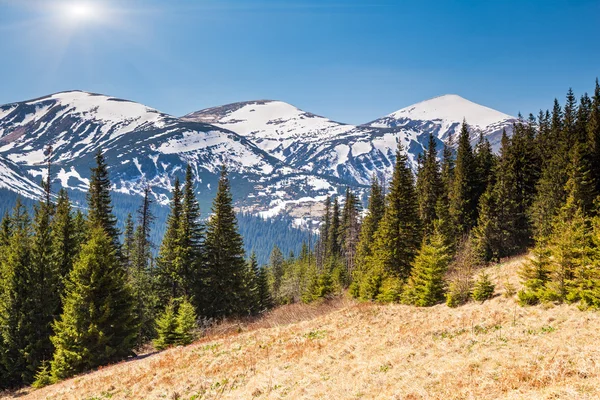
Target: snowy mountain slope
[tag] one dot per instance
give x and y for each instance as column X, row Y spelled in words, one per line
column 11, row 178
column 142, row 146
column 320, row 146
column 282, row 160
column 274, row 126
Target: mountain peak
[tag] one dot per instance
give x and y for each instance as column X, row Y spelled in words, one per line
column 449, row 108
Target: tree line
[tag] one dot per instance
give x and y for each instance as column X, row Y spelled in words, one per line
column 424, row 236
column 76, row 293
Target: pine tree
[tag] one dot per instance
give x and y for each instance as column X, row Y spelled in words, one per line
column 323, row 245
column 570, row 250
column 426, row 285
column 100, row 209
column 484, row 166
column 463, row 196
column 501, row 209
column 15, row 318
column 251, row 280
column 64, row 241
column 194, row 274
column 140, row 276
column 169, row 278
column 593, row 136
column 225, row 256
column 333, row 240
column 97, row 325
column 166, row 328
column 349, row 233
column 398, row 236
column 370, row 223
column 276, row 264
column 186, row 322
column 265, row 299
column 535, row 274
column 429, row 187
column 43, row 302
column 128, row 241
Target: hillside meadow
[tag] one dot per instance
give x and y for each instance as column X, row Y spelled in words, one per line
column 348, row 350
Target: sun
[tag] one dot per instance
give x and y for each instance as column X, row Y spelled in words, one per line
column 82, row 11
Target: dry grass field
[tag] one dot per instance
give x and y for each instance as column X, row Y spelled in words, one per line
column 347, row 350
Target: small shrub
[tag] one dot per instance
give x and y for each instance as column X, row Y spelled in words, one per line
column 484, row 288
column 43, row 377
column 457, row 294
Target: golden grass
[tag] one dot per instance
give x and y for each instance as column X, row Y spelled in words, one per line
column 348, row 350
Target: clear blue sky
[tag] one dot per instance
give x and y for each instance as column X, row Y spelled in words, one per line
column 352, row 61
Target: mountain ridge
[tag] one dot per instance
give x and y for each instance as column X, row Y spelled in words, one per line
column 284, row 159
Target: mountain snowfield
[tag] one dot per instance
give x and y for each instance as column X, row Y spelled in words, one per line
column 282, row 160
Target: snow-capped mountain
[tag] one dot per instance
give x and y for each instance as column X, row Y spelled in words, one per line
column 142, row 146
column 282, row 160
column 317, row 145
column 274, row 126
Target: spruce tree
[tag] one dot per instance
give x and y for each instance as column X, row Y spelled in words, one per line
column 224, row 251
column 534, row 274
column 194, row 274
column 276, row 264
column 398, row 236
column 426, row 285
column 186, row 322
column 168, row 275
column 265, row 300
column 100, row 208
column 128, row 241
column 97, row 326
column 370, row 223
column 484, row 166
column 15, row 312
column 64, row 242
column 140, row 275
column 42, row 292
column 166, row 328
column 463, row 194
column 429, row 187
column 333, row 240
column 593, row 136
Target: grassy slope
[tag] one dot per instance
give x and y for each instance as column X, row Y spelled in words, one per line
column 346, row 350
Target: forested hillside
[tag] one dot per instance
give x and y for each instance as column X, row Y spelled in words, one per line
column 77, row 293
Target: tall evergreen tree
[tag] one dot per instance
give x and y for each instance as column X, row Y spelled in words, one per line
column 429, row 187
column 370, row 223
column 225, row 256
column 15, row 312
column 426, row 285
column 191, row 240
column 64, row 242
column 140, row 276
column 169, row 277
column 593, row 136
column 398, row 236
column 484, row 166
column 276, row 264
column 97, row 326
column 463, row 202
column 100, row 208
column 128, row 241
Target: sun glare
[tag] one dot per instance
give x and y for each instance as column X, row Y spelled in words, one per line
column 82, row 11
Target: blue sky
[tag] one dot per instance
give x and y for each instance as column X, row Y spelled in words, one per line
column 352, row 61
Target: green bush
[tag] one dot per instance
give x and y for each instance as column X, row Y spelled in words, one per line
column 483, row 289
